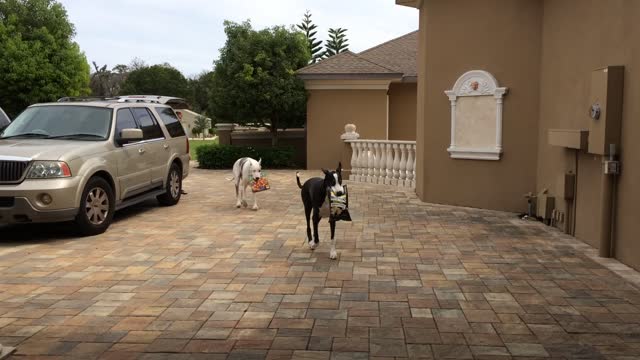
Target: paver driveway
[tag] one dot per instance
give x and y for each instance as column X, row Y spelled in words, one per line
column 206, row 280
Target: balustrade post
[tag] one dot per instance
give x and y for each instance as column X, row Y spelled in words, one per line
column 380, row 161
column 403, row 164
column 353, row 175
column 376, row 169
column 370, row 163
column 388, row 180
column 396, row 165
column 410, row 166
column 362, row 162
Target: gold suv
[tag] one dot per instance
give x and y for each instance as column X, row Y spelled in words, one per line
column 82, row 161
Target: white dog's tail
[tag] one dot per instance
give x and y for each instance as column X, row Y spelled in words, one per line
column 231, row 178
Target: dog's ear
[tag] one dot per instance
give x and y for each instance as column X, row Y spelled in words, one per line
column 260, row 161
column 325, row 171
column 339, row 169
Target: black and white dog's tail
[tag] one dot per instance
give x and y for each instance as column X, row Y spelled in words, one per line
column 298, row 180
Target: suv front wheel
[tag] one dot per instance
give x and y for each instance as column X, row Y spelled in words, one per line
column 173, row 187
column 96, row 207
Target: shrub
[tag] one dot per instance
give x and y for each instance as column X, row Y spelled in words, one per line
column 214, row 156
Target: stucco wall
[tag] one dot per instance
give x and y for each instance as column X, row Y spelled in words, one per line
column 328, row 111
column 402, row 111
column 579, row 37
column 503, row 38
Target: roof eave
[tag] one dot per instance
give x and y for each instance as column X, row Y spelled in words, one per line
column 410, row 3
column 351, row 76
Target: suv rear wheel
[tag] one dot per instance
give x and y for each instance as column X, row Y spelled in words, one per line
column 96, row 208
column 173, row 187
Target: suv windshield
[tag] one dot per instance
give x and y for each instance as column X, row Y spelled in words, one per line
column 61, row 122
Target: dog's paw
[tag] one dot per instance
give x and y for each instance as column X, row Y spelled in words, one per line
column 333, row 255
column 313, row 245
column 244, row 204
column 255, row 207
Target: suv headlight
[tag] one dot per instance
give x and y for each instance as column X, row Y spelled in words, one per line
column 48, row 170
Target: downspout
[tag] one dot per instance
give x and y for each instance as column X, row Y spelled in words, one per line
column 574, row 210
column 607, row 211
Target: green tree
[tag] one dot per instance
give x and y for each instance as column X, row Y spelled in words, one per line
column 254, row 79
column 200, row 92
column 337, row 42
column 39, row 61
column 163, row 80
column 105, row 82
column 201, row 125
column 309, row 29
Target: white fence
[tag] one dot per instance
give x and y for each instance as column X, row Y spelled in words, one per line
column 383, row 162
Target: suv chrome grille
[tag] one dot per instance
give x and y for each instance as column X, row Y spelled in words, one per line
column 12, row 171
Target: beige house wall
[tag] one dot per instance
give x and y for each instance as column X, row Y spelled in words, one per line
column 328, row 111
column 579, row 37
column 503, row 38
column 544, row 52
column 402, row 111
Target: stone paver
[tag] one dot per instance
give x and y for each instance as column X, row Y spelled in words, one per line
column 204, row 280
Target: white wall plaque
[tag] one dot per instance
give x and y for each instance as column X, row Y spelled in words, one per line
column 476, row 117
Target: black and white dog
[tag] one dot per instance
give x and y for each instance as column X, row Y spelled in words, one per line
column 246, row 170
column 314, row 197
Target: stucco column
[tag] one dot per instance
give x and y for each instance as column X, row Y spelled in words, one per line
column 349, row 134
column 224, row 133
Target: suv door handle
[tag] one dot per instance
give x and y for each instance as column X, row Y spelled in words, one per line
column 165, row 146
column 141, row 151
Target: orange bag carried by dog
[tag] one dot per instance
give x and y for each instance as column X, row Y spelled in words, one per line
column 261, row 185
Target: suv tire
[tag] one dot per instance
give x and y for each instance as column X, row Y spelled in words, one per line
column 97, row 206
column 173, row 187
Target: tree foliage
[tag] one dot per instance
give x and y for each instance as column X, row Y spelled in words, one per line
column 105, row 82
column 163, row 80
column 200, row 92
column 201, row 125
column 337, row 42
column 39, row 61
column 309, row 29
column 254, row 79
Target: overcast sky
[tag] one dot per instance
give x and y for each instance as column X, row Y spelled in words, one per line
column 189, row 33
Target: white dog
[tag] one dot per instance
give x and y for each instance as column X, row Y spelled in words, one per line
column 246, row 170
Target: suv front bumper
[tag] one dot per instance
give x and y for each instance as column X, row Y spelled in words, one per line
column 21, row 211
column 21, row 203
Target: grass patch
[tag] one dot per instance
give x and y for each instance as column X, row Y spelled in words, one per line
column 194, row 144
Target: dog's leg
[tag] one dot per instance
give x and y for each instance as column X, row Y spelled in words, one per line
column 238, row 203
column 333, row 254
column 255, row 201
column 244, row 195
column 307, row 213
column 316, row 221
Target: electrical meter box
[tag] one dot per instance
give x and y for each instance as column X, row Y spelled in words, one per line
column 605, row 108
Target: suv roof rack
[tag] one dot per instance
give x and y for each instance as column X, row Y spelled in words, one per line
column 86, row 98
column 174, row 102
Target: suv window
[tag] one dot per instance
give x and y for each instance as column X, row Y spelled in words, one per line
column 148, row 124
column 124, row 120
column 171, row 121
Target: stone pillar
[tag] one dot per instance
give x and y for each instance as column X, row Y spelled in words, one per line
column 349, row 134
column 224, row 133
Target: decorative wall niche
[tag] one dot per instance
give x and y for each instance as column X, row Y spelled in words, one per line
column 476, row 117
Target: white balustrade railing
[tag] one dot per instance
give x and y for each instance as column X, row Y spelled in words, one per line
column 383, row 162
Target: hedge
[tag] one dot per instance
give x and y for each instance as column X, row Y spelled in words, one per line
column 215, row 156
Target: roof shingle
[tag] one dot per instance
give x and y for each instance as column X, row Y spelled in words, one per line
column 394, row 57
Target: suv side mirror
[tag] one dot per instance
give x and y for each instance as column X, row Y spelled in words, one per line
column 130, row 135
